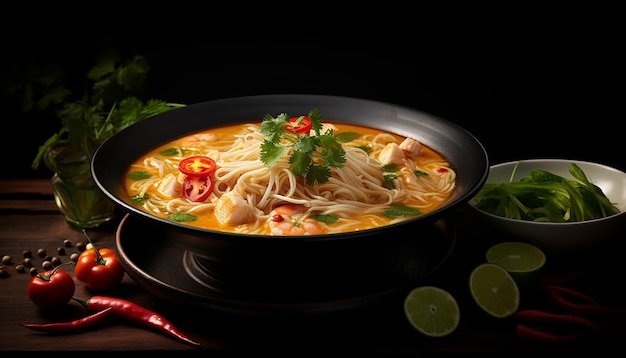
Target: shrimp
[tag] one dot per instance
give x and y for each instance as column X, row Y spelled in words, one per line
column 289, row 219
column 232, row 209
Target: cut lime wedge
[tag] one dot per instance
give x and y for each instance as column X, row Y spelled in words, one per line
column 494, row 290
column 432, row 311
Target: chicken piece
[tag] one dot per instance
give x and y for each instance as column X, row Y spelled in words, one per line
column 232, row 209
column 411, row 147
column 391, row 154
column 170, row 187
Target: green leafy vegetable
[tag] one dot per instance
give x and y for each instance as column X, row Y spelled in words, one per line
column 547, row 197
column 111, row 105
column 310, row 156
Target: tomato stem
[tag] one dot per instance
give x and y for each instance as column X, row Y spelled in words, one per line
column 99, row 259
column 46, row 277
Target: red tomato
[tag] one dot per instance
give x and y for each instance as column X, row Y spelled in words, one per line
column 299, row 125
column 197, row 166
column 99, row 270
column 197, row 189
column 51, row 289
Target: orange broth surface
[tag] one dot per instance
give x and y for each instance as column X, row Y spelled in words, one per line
column 209, row 221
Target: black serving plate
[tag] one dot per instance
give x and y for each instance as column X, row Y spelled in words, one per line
column 173, row 273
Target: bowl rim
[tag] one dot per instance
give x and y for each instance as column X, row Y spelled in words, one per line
column 407, row 119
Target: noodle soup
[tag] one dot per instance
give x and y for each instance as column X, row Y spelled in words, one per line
column 385, row 179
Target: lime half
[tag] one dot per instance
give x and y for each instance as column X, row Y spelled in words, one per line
column 523, row 261
column 432, row 311
column 494, row 290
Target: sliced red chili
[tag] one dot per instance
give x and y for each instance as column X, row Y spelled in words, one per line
column 197, row 166
column 299, row 125
column 197, row 189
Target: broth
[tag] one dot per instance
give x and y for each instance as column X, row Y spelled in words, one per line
column 366, row 192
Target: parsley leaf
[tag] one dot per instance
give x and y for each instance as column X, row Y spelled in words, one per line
column 310, row 156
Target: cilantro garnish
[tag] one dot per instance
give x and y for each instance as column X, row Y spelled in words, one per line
column 420, row 173
column 326, row 218
column 181, row 217
column 396, row 211
column 170, row 152
column 138, row 175
column 389, row 175
column 310, row 156
column 388, row 181
column 138, row 199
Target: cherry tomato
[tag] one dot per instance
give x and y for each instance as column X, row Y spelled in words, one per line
column 53, row 288
column 197, row 166
column 197, row 189
column 299, row 125
column 99, row 270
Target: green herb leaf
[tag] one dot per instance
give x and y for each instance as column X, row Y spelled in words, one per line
column 182, row 217
column 310, row 156
column 139, row 175
column 388, row 180
column 390, row 168
column 138, row 199
column 326, row 218
column 396, row 211
column 169, row 152
column 420, row 173
column 347, row 137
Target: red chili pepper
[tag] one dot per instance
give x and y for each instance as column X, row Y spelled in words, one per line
column 530, row 315
column 134, row 313
column 79, row 324
column 526, row 332
column 562, row 296
column 197, row 166
column 299, row 125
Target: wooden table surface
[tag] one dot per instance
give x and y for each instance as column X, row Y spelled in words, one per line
column 29, row 219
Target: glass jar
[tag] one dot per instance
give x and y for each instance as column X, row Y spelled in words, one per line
column 78, row 197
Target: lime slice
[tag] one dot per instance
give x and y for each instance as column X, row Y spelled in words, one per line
column 432, row 311
column 523, row 261
column 494, row 290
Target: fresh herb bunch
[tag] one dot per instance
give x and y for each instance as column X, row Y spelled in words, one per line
column 111, row 105
column 310, row 155
column 547, row 197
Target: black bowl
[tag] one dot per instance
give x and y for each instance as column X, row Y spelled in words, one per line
column 269, row 255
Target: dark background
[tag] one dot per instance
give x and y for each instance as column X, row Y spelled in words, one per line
column 537, row 97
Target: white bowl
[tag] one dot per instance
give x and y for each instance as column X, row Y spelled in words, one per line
column 557, row 238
